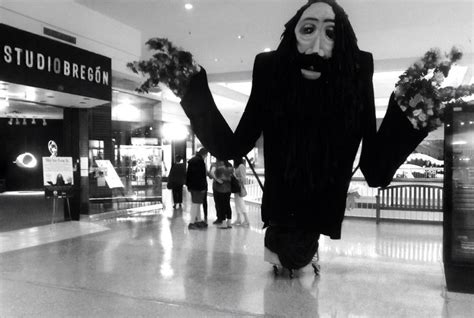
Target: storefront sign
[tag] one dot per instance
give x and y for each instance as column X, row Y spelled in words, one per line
column 33, row 60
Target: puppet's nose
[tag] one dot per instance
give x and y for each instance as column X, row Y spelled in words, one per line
column 317, row 46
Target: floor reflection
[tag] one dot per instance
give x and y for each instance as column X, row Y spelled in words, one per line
column 404, row 242
column 150, row 263
column 298, row 297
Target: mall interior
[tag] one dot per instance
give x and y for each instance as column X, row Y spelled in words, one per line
column 88, row 227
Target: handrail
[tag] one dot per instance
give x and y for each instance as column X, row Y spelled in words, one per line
column 409, row 197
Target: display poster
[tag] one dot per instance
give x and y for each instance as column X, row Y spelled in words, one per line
column 57, row 171
column 84, row 165
column 108, row 172
column 84, row 162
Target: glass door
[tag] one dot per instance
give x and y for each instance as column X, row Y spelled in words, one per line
column 462, row 197
column 458, row 225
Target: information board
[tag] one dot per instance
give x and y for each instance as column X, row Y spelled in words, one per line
column 57, row 171
column 108, row 172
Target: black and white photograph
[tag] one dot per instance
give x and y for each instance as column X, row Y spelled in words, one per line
column 237, row 158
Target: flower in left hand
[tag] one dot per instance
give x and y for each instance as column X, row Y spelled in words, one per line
column 415, row 100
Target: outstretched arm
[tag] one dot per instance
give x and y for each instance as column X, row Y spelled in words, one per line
column 176, row 69
column 415, row 108
column 383, row 151
column 210, row 126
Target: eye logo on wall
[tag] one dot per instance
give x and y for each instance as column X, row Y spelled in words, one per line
column 26, row 160
column 53, row 148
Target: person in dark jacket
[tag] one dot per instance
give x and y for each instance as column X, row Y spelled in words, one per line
column 176, row 180
column 196, row 182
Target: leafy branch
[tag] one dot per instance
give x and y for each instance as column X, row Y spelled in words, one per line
column 169, row 65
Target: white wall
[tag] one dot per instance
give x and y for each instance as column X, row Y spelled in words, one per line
column 94, row 31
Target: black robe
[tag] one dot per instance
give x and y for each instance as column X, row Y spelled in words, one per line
column 383, row 151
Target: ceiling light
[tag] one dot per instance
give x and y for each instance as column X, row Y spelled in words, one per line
column 33, row 121
column 267, row 49
column 10, row 122
column 240, row 37
column 44, row 122
column 216, row 60
column 24, row 121
column 188, row 6
column 17, row 121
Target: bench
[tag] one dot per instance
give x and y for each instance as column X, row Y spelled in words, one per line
column 409, row 197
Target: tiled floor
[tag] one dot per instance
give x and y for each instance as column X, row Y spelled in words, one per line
column 151, row 265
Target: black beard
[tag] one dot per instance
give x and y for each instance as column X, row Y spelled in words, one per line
column 312, row 62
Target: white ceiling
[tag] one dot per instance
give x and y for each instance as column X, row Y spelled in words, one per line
column 390, row 29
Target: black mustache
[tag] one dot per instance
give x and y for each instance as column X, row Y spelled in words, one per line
column 317, row 62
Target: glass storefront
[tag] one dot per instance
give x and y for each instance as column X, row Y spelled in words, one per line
column 136, row 156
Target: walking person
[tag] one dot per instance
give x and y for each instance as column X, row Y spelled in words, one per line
column 196, row 181
column 240, row 208
column 221, row 172
column 176, row 180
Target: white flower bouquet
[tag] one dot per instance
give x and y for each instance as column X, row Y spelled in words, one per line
column 419, row 93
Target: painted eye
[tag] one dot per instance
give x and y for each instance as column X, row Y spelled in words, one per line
column 330, row 33
column 307, row 29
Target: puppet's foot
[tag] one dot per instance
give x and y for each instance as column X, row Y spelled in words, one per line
column 275, row 270
column 315, row 264
column 316, row 268
column 291, row 273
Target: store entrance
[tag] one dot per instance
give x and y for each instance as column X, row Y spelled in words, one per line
column 25, row 131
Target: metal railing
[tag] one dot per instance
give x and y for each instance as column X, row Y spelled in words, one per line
column 366, row 202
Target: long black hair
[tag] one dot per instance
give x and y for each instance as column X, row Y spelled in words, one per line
column 238, row 161
column 316, row 115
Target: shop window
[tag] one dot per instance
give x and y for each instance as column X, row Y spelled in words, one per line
column 96, row 152
column 142, row 165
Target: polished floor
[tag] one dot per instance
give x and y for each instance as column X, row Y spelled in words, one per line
column 149, row 264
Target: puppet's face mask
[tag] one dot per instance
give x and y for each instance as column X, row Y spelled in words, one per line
column 315, row 38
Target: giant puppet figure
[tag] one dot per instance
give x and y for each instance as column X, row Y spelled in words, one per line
column 312, row 99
